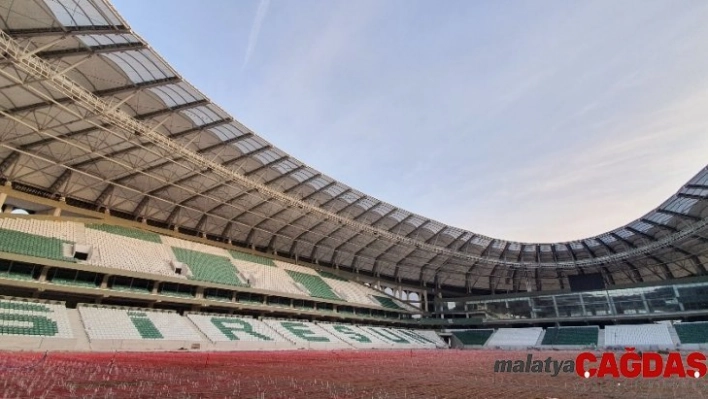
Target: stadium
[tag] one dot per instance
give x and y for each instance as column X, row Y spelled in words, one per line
column 151, row 242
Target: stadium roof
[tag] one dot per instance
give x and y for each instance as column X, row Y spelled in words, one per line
column 92, row 114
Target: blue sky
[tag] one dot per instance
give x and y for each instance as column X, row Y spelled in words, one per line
column 536, row 121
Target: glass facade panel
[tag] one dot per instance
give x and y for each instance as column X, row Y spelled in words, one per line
column 570, row 306
column 633, row 301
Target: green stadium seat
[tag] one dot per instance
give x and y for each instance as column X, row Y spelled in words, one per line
column 32, row 245
column 329, row 275
column 580, row 336
column 208, row 267
column 314, row 284
column 387, row 302
column 692, row 333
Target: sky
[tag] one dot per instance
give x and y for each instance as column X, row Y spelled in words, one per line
column 536, row 121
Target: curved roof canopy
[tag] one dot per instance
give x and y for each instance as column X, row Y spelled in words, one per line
column 89, row 112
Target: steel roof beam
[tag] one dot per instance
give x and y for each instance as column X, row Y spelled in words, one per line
column 338, row 247
column 677, row 214
column 298, row 218
column 69, row 30
column 199, row 173
column 697, row 186
column 106, row 48
column 692, row 196
column 667, row 271
column 632, row 267
column 8, row 162
column 337, row 229
column 296, row 239
column 60, row 181
column 105, row 194
column 266, row 165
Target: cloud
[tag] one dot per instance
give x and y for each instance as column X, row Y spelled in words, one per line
column 255, row 31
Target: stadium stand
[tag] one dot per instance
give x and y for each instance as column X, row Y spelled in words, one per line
column 31, row 318
column 473, row 337
column 332, row 276
column 114, row 323
column 351, row 292
column 639, row 335
column 141, row 251
column 252, row 258
column 306, row 334
column 64, row 231
column 353, row 335
column 209, row 267
column 431, row 336
column 125, row 251
column 418, row 338
column 127, row 232
column 314, row 284
column 580, row 336
column 515, row 337
column 692, row 333
column 387, row 302
column 239, row 333
column 32, row 245
column 390, row 336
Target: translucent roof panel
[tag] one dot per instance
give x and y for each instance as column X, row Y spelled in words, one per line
column 498, row 244
column 140, row 65
column 514, row 246
column 383, row 208
column 301, row 175
column 107, row 39
column 204, row 115
column 176, row 94
column 560, row 248
column 607, row 239
column 351, row 196
column 400, row 214
column 701, row 178
column 657, row 217
column 480, row 240
column 269, row 156
column 250, row 144
column 453, row 232
column 227, row 132
column 434, row 227
column 624, row 233
column 416, row 220
column 319, row 182
column 82, row 13
column 286, row 166
column 680, row 205
column 592, row 243
column 335, row 190
column 367, row 202
column 641, row 226
column 701, row 192
column 576, row 245
column 545, row 248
